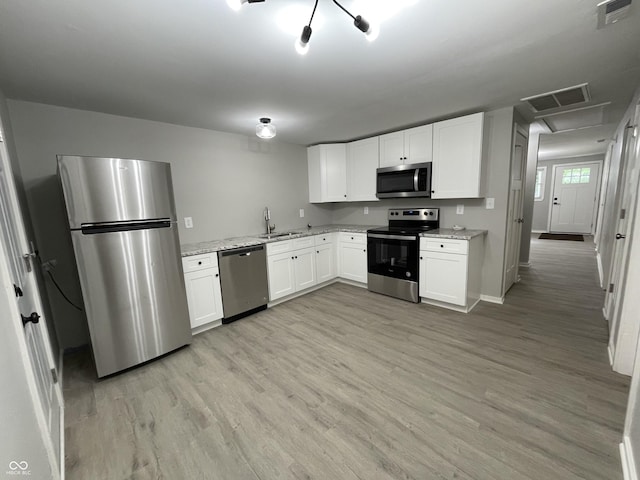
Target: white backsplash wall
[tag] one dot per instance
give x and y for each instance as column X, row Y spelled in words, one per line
column 222, row 180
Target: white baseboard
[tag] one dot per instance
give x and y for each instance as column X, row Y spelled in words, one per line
column 611, row 354
column 491, row 299
column 60, row 371
column 604, row 314
column 626, row 457
column 524, row 264
column 539, row 231
column 600, row 272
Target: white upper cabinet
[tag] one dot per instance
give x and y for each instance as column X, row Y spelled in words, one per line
column 414, row 145
column 457, row 157
column 327, row 173
column 362, row 162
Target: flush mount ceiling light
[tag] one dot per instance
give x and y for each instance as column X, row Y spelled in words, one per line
column 265, row 129
column 370, row 29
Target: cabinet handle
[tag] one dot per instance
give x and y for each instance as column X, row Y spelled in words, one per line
column 421, row 258
column 199, row 263
column 217, row 275
column 291, row 258
column 433, row 191
column 345, row 196
column 441, row 246
column 317, row 251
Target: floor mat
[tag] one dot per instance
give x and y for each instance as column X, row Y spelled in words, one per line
column 561, row 236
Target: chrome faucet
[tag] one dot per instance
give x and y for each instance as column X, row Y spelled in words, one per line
column 267, row 217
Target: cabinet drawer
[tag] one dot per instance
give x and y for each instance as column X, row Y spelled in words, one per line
column 323, row 239
column 358, row 238
column 303, row 242
column 279, row 247
column 199, row 262
column 444, row 245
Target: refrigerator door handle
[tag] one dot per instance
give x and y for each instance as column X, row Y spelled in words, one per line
column 94, row 228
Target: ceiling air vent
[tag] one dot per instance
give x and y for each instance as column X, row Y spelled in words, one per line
column 610, row 11
column 559, row 98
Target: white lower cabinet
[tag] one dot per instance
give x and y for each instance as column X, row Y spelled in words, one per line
column 290, row 267
column 352, row 256
column 202, row 283
column 450, row 271
column 325, row 257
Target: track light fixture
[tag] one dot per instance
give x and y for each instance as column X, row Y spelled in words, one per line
column 302, row 43
column 237, row 4
column 265, row 129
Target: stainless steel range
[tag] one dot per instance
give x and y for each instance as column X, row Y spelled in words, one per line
column 392, row 252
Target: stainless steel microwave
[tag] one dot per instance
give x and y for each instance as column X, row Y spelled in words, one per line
column 412, row 180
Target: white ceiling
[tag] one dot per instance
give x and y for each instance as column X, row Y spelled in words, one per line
column 198, row 63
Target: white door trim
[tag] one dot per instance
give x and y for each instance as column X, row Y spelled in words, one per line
column 596, row 202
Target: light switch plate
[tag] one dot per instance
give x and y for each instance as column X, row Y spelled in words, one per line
column 188, row 222
column 490, row 203
column 301, row 212
column 366, row 210
column 460, row 209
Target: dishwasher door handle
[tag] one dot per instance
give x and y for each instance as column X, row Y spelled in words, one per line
column 245, row 254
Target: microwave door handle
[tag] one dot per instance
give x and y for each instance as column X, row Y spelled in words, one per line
column 415, row 179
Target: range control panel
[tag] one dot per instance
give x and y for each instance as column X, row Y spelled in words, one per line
column 414, row 214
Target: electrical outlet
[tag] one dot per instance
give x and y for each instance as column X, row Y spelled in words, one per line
column 302, row 213
column 490, row 203
column 460, row 209
column 188, row 222
column 366, row 210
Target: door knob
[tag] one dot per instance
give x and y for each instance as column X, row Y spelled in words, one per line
column 619, row 236
column 34, row 317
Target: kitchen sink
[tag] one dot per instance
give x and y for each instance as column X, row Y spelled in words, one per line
column 275, row 235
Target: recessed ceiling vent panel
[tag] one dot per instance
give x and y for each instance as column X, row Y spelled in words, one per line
column 560, row 98
column 610, row 11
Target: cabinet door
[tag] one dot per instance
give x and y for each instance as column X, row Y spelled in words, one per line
column 362, row 161
column 325, row 262
column 203, row 296
column 391, row 149
column 457, row 157
column 418, row 144
column 335, row 173
column 327, row 170
column 353, row 262
column 304, row 268
column 443, row 277
column 281, row 275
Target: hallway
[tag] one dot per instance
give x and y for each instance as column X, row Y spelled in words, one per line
column 346, row 384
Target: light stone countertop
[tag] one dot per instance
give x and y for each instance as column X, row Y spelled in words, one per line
column 454, row 234
column 238, row 242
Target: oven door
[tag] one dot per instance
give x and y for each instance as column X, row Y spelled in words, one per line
column 393, row 256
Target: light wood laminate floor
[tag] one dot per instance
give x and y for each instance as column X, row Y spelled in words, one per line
column 347, row 384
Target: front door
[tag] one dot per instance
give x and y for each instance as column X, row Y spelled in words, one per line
column 575, row 195
column 21, row 262
column 514, row 213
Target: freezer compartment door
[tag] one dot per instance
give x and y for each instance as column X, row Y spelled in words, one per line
column 113, row 190
column 134, row 295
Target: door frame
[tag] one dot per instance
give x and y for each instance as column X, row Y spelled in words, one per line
column 596, row 201
column 517, row 129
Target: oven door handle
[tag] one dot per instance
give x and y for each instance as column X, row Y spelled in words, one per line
column 393, row 237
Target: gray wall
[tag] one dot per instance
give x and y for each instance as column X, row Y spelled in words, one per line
column 222, row 180
column 541, row 208
column 499, row 131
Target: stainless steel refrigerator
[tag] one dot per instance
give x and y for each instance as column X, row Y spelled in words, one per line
column 123, row 226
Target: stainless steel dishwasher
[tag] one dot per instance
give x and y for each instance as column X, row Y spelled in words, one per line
column 243, row 278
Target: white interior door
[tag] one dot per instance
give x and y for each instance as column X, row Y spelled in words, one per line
column 619, row 267
column 20, row 260
column 574, row 198
column 514, row 213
